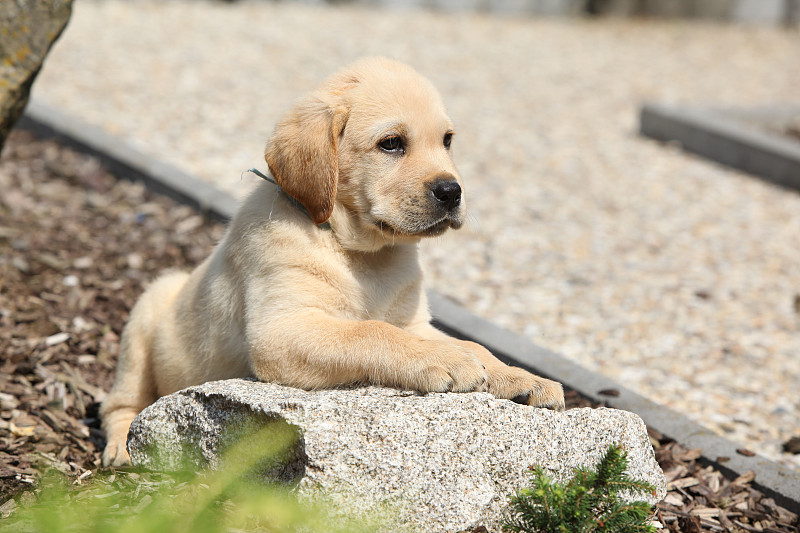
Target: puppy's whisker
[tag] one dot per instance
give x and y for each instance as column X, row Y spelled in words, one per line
column 272, row 206
column 471, row 221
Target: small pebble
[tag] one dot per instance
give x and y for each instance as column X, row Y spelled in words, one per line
column 83, row 262
column 21, row 265
column 80, row 323
column 135, row 261
column 792, row 445
column 58, row 338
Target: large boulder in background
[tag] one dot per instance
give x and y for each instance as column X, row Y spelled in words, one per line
column 436, row 462
column 28, row 28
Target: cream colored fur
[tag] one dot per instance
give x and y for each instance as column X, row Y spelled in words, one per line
column 289, row 302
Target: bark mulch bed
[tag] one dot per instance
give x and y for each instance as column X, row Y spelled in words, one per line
column 77, row 247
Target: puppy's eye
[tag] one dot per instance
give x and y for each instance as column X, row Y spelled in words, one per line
column 392, row 145
column 448, row 138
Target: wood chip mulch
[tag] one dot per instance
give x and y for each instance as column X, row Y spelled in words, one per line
column 77, row 246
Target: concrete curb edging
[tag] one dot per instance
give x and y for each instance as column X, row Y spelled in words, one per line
column 723, row 136
column 777, row 482
column 127, row 162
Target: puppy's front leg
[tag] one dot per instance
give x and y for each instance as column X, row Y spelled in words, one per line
column 506, row 381
column 312, row 350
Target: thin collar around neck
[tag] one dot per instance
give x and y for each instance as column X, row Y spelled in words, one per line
column 324, row 225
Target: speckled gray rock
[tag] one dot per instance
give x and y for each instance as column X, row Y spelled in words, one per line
column 440, row 462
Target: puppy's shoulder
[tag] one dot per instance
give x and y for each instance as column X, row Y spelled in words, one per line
column 270, row 223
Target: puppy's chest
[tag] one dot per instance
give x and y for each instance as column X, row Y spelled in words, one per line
column 385, row 288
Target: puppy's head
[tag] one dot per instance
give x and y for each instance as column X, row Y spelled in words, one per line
column 371, row 147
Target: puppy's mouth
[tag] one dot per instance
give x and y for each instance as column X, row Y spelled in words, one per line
column 419, row 229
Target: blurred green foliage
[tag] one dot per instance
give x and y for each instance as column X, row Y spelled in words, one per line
column 232, row 497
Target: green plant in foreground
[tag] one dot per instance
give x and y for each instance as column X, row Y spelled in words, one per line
column 589, row 502
column 231, row 498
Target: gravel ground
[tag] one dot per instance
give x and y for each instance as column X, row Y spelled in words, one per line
column 675, row 276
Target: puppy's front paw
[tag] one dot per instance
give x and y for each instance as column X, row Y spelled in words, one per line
column 523, row 387
column 116, row 454
column 445, row 367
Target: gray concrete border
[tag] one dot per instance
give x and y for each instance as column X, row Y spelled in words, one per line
column 730, row 136
column 774, row 480
column 127, row 162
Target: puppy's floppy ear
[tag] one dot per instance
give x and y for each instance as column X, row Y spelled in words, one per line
column 303, row 155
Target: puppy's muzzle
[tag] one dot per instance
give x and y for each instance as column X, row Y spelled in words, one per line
column 446, row 194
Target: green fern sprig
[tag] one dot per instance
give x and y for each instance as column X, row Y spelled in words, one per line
column 591, row 502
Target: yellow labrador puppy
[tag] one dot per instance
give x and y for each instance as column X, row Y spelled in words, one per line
column 317, row 282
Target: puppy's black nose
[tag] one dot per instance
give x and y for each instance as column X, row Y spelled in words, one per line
column 447, row 193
